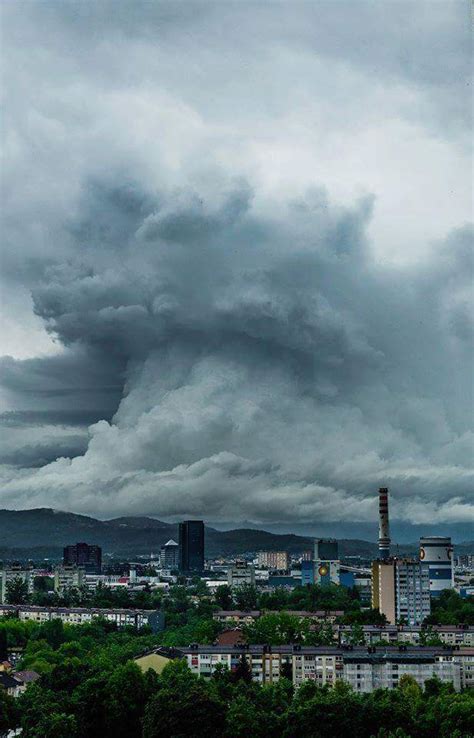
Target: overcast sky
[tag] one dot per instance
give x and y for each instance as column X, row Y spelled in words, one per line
column 237, row 260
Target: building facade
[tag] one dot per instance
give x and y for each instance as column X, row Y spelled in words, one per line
column 436, row 555
column 191, row 546
column 241, row 574
column 169, row 555
column 278, row 560
column 451, row 635
column 364, row 669
column 307, row 573
column 326, row 549
column 9, row 574
column 81, row 615
column 400, row 590
column 66, row 577
column 327, row 572
column 87, row 557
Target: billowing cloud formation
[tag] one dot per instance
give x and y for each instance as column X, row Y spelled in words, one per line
column 273, row 371
column 243, row 330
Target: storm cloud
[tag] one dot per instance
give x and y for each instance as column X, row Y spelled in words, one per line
column 247, row 318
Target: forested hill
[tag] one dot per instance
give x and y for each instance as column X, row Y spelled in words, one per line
column 46, row 531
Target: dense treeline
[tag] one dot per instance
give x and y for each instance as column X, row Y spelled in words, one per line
column 451, row 609
column 90, row 688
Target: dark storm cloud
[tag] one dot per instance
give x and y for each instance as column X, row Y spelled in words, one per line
column 44, row 453
column 231, row 219
column 270, row 362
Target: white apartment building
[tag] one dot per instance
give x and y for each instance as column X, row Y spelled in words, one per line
column 10, row 573
column 366, row 672
column 67, row 576
column 364, row 669
column 81, row 615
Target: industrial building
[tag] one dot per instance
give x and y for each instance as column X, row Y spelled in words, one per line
column 326, row 562
column 436, row 554
column 384, row 526
column 191, row 546
column 326, row 549
column 241, row 574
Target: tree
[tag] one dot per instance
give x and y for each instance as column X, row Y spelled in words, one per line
column 246, row 597
column 242, row 671
column 247, row 718
column 3, row 645
column 53, row 633
column 55, row 725
column 183, row 706
column 8, row 713
column 17, row 591
column 42, row 584
column 357, row 637
column 223, row 597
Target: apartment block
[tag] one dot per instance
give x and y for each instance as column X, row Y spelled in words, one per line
column 365, row 669
column 401, row 590
column 11, row 573
column 277, row 560
column 66, row 577
column 81, row 615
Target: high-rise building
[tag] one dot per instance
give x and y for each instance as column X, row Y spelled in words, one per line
column 279, row 560
column 85, row 556
column 436, row 555
column 400, row 590
column 169, row 555
column 326, row 549
column 191, row 545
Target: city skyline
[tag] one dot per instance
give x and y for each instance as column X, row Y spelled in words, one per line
column 237, row 272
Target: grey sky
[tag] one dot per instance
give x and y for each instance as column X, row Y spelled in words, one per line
column 237, row 261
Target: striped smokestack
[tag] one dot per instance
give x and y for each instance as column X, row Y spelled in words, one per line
column 384, row 530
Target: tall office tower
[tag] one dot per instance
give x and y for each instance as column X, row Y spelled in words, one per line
column 401, row 590
column 191, row 545
column 384, row 530
column 169, row 555
column 87, row 557
column 326, row 549
column 436, row 555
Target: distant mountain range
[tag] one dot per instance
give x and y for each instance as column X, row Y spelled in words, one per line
column 43, row 532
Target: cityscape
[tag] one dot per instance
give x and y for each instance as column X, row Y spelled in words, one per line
column 236, row 369
column 370, row 624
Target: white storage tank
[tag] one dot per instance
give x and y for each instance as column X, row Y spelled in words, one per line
column 436, row 552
